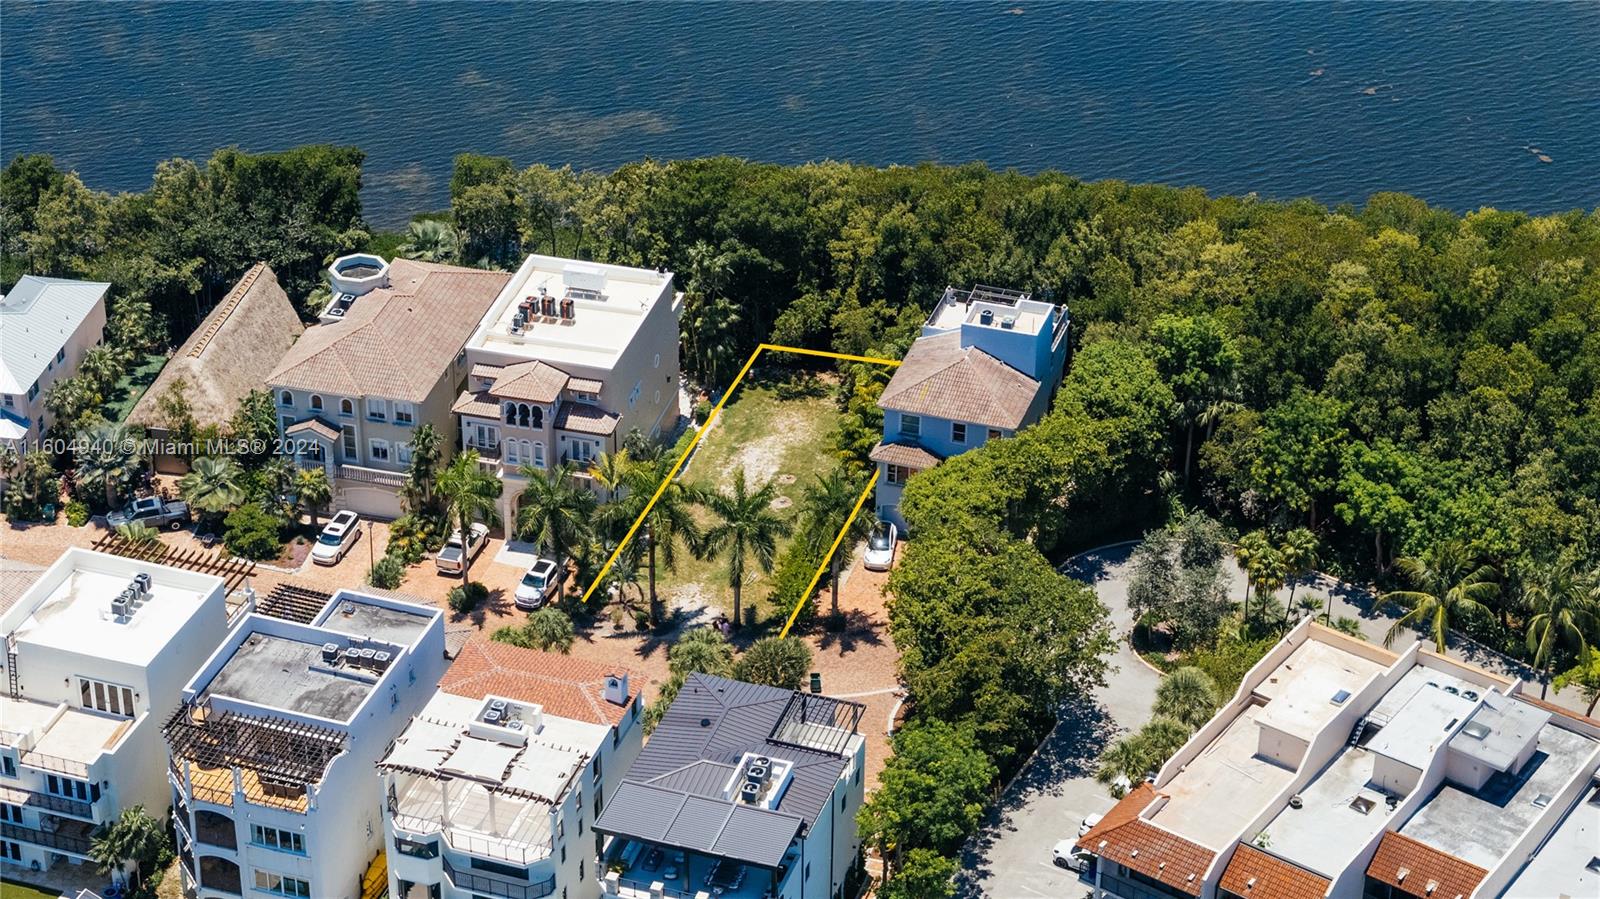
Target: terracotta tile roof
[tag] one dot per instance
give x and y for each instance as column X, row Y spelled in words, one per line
column 586, row 385
column 396, row 341
column 940, row 378
column 485, row 370
column 564, row 686
column 1140, row 845
column 531, row 382
column 314, row 425
column 1413, row 865
column 479, row 404
column 585, row 419
column 1254, row 874
column 15, row 579
column 906, row 454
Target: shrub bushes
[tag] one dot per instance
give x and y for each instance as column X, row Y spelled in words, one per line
column 413, row 536
column 77, row 514
column 386, row 573
column 251, row 532
column 466, row 597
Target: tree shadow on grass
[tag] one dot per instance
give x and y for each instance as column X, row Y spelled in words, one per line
column 1069, row 752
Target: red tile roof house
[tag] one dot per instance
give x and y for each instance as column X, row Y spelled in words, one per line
column 495, row 786
column 1341, row 769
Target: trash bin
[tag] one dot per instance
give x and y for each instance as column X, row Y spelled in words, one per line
column 816, row 682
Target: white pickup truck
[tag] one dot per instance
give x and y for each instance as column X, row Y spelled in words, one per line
column 452, row 558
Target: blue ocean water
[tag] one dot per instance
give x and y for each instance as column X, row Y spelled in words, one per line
column 1459, row 103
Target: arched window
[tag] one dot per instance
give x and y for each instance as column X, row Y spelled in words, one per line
column 511, row 413
column 316, row 403
column 347, row 408
column 522, row 414
column 286, row 398
column 538, row 416
column 538, row 454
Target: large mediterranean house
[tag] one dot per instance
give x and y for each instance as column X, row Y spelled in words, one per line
column 986, row 364
column 569, row 359
column 48, row 324
column 385, row 358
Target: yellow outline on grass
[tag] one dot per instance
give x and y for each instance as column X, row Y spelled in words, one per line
column 716, row 411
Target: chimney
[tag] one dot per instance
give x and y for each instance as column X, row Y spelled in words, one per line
column 617, row 688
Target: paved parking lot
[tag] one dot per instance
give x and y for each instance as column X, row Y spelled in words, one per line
column 1010, row 857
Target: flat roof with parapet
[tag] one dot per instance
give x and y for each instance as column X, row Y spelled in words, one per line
column 605, row 318
column 1216, row 796
column 68, row 608
column 348, row 613
column 966, row 307
column 1568, row 864
column 1481, row 826
column 284, row 673
column 77, row 734
column 1340, row 811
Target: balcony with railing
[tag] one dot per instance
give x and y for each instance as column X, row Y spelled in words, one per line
column 215, row 830
column 381, row 477
column 499, row 885
column 58, row 834
column 634, row 868
column 45, row 802
column 474, row 818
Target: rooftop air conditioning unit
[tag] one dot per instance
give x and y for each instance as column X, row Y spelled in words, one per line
column 514, row 724
column 517, row 321
column 367, row 655
column 142, row 581
column 493, row 716
column 547, row 304
column 750, row 792
column 352, row 656
column 119, row 607
column 1008, row 322
column 380, row 660
column 330, row 653
column 568, row 309
column 986, row 317
column 498, row 705
column 756, row 773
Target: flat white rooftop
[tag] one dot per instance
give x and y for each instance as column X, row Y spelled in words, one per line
column 1567, row 865
column 69, row 608
column 1340, row 810
column 967, row 307
column 1481, row 826
column 609, row 304
column 1216, row 796
column 75, row 734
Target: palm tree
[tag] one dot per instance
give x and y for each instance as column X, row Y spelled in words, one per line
column 555, row 511
column 109, row 456
column 610, row 471
column 470, row 495
column 1563, row 605
column 213, row 485
column 281, row 477
column 826, row 508
column 1124, row 761
column 547, row 629
column 671, row 518
column 431, row 240
column 746, row 526
column 134, row 837
column 314, row 492
column 1252, row 547
column 1188, row 695
column 1449, row 585
column 1299, row 555
column 421, row 479
column 102, row 366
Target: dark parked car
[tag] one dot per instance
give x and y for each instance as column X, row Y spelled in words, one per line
column 151, row 511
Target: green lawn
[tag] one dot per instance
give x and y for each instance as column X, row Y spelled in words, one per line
column 11, row 889
column 133, row 385
column 790, row 440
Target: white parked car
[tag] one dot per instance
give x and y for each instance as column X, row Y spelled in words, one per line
column 880, row 547
column 1065, row 856
column 336, row 538
column 539, row 584
column 452, row 558
column 1089, row 823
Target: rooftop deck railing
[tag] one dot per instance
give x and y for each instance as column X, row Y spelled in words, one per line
column 498, row 886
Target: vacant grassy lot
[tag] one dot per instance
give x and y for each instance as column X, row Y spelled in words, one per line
column 773, row 438
column 141, row 374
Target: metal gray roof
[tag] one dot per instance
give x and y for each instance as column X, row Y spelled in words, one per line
column 701, row 824
column 39, row 315
column 673, row 792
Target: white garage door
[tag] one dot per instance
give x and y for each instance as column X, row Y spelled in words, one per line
column 370, row 501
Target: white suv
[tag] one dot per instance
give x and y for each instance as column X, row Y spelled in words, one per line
column 336, row 538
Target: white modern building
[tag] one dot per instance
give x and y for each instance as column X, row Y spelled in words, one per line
column 96, row 651
column 272, row 750
column 743, row 792
column 569, row 359
column 493, row 789
column 1340, row 769
column 46, row 326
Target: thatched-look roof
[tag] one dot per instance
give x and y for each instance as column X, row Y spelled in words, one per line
column 230, row 354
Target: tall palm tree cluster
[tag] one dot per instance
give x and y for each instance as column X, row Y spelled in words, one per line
column 582, row 515
column 1559, row 605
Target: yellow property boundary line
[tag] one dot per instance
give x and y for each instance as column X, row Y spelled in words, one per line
column 700, row 434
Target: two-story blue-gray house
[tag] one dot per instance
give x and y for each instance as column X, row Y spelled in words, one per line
column 986, row 364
